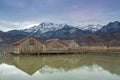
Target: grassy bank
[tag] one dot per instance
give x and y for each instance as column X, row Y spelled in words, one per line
column 99, row 49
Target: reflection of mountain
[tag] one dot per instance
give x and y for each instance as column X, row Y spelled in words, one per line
column 31, row 64
column 49, row 70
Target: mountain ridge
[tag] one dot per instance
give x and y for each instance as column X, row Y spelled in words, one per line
column 108, row 34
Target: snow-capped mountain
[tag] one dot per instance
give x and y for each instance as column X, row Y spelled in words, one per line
column 91, row 27
column 91, row 34
column 1, row 36
column 1, row 40
column 47, row 28
column 111, row 27
column 44, row 27
column 67, row 32
column 4, row 37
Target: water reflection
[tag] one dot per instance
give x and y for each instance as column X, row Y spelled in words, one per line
column 62, row 67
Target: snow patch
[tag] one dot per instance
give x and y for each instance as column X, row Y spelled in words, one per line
column 91, row 27
column 44, row 27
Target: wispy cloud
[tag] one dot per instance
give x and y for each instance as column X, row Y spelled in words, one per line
column 9, row 25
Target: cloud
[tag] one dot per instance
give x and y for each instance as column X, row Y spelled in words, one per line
column 9, row 25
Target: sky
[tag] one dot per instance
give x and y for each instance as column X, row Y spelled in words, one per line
column 21, row 14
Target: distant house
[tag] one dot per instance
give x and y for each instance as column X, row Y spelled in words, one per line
column 28, row 45
column 55, row 46
column 71, row 44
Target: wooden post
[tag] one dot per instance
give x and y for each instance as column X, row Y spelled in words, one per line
column 37, row 53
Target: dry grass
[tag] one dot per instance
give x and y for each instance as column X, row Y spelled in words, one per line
column 98, row 48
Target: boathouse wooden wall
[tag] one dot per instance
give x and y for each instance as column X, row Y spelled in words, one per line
column 56, row 47
column 71, row 44
column 30, row 46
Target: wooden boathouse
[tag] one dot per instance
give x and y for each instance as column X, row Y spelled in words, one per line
column 32, row 45
column 28, row 45
column 72, row 45
column 55, row 46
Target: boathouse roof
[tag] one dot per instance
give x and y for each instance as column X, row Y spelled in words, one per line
column 68, row 42
column 23, row 39
column 47, row 42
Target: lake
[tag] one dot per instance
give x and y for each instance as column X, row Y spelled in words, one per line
column 60, row 67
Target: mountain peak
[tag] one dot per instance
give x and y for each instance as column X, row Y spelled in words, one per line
column 91, row 27
column 44, row 27
column 46, row 23
column 116, row 22
column 66, row 26
column 111, row 27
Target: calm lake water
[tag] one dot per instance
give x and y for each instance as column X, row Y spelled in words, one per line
column 60, row 67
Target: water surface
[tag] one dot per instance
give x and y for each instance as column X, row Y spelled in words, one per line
column 60, row 67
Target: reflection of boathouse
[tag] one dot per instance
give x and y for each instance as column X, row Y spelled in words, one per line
column 32, row 64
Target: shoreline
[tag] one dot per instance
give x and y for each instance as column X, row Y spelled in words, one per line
column 80, row 53
column 96, row 50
